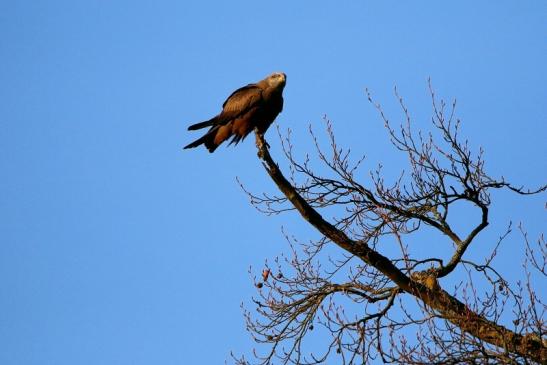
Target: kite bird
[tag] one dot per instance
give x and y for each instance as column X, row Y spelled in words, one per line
column 252, row 106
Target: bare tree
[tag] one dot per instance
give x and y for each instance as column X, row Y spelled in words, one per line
column 371, row 307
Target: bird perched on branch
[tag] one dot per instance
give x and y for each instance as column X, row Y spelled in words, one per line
column 252, row 106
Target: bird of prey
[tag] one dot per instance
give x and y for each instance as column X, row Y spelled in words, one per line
column 252, row 106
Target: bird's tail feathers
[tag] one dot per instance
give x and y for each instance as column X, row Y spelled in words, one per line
column 200, row 125
column 196, row 143
column 208, row 140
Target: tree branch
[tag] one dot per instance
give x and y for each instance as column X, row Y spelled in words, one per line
column 447, row 306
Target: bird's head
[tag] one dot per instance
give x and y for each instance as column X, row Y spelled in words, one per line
column 277, row 80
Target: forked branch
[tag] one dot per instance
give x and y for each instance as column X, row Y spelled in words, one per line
column 423, row 285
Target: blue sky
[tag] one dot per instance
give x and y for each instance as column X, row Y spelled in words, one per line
column 117, row 247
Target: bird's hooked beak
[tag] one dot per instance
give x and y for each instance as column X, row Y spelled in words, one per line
column 277, row 78
column 282, row 78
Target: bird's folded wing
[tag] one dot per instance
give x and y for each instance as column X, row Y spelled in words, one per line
column 240, row 102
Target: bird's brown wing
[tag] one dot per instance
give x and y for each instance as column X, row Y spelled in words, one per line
column 240, row 102
column 237, row 104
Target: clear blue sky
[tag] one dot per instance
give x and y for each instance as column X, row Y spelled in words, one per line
column 117, row 247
